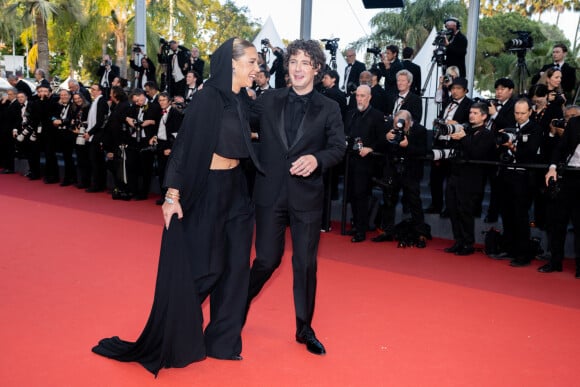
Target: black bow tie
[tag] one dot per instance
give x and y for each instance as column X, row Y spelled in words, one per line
column 454, row 102
column 293, row 97
column 401, row 97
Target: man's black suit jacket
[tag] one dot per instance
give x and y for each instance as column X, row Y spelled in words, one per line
column 321, row 134
column 114, row 72
column 412, row 103
column 505, row 117
column 568, row 142
column 455, row 53
column 391, row 76
column 353, row 76
column 462, row 112
column 335, row 94
column 370, row 127
column 174, row 119
column 97, row 131
column 416, row 71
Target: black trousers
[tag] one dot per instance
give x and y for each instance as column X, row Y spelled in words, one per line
column 176, row 88
column 565, row 208
column 461, row 204
column 50, row 149
column 271, row 224
column 516, row 199
column 139, row 171
column 7, row 149
column 359, row 190
column 66, row 145
column 84, row 165
column 437, row 176
column 97, row 162
column 411, row 191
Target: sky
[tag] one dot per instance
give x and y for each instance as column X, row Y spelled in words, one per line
column 346, row 19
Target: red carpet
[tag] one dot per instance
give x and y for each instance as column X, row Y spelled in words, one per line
column 76, row 267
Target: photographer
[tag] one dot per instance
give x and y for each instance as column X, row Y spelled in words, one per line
column 177, row 59
column 465, row 183
column 96, row 119
column 330, row 89
column 567, row 205
column 195, row 63
column 107, row 72
column 277, row 68
column 455, row 112
column 413, row 68
column 365, row 128
column 405, row 147
column 142, row 120
column 190, row 86
column 24, row 132
column 390, row 65
column 443, row 93
column 61, row 118
column 351, row 72
column 518, row 145
column 115, row 141
column 455, row 45
column 145, row 71
column 406, row 100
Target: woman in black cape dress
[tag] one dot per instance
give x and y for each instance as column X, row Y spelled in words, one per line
column 205, row 247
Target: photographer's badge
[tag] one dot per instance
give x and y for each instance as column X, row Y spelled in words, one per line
column 525, row 138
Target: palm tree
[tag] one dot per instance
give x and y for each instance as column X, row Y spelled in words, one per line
column 37, row 13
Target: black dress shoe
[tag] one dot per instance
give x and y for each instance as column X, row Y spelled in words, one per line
column 421, row 243
column 7, row 171
column 51, row 180
column 66, row 183
column 519, row 262
column 465, row 250
column 313, row 345
column 550, row 267
column 382, row 237
column 351, row 232
column 32, row 176
column 81, row 186
column 432, row 210
column 453, row 249
column 358, row 238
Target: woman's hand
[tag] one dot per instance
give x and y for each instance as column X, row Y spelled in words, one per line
column 169, row 210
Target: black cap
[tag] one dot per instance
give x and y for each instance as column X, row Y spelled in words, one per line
column 505, row 82
column 459, row 82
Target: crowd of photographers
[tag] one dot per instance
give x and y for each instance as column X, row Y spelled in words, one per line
column 507, row 141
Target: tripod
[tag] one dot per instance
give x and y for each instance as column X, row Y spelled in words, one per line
column 521, row 72
column 436, row 62
column 332, row 62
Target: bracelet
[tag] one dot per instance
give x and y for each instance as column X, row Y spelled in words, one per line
column 172, row 194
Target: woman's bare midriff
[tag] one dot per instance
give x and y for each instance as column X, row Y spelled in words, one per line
column 219, row 162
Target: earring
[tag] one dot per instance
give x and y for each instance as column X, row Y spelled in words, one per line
column 233, row 70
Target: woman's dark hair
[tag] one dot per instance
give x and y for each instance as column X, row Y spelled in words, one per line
column 311, row 49
column 538, row 90
column 119, row 93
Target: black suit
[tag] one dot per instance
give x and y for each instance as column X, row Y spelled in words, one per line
column 8, row 121
column 379, row 99
column 455, row 53
column 517, row 191
column 106, row 82
column 391, row 76
column 335, row 94
column 196, row 65
column 149, row 72
column 283, row 199
column 172, row 125
column 416, row 71
column 176, row 87
column 412, row 103
column 566, row 207
column 370, row 128
column 440, row 168
column 352, row 82
column 95, row 152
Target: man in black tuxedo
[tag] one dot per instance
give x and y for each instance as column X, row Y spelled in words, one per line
column 96, row 119
column 413, row 68
column 365, row 128
column 20, row 85
column 107, row 73
column 9, row 113
column 471, row 142
column 456, row 46
column 169, row 125
column 379, row 96
column 390, row 66
column 177, row 66
column 403, row 171
column 352, row 72
column 406, row 99
column 190, row 86
column 61, row 118
column 501, row 116
column 301, row 136
column 566, row 206
column 262, row 81
column 517, row 184
column 195, row 63
column 559, row 52
column 455, row 112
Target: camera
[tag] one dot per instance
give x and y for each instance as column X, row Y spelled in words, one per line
column 65, row 124
column 447, row 79
column 265, row 42
column 447, row 129
column 442, row 154
column 508, row 134
column 398, row 129
column 137, row 48
column 80, row 140
column 150, row 148
column 374, row 50
column 26, row 131
column 441, row 36
column 559, row 123
column 331, row 45
column 523, row 42
column 354, row 144
column 488, row 101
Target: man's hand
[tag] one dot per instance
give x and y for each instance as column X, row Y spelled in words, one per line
column 304, row 166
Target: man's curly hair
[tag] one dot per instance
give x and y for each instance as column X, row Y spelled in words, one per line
column 312, row 49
